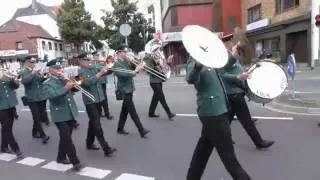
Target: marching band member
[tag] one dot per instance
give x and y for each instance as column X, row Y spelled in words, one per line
column 35, row 96
column 63, row 110
column 213, row 114
column 126, row 86
column 104, row 82
column 156, row 85
column 92, row 84
column 234, row 76
column 8, row 102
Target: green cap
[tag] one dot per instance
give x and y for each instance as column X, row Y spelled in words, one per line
column 55, row 63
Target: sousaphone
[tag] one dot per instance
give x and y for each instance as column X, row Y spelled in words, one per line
column 204, row 46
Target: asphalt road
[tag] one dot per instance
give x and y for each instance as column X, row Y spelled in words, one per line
column 166, row 154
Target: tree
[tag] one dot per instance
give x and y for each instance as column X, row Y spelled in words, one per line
column 126, row 12
column 75, row 24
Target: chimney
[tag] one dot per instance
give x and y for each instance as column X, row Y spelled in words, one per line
column 34, row 5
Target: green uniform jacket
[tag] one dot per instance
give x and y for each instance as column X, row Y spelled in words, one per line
column 229, row 74
column 98, row 67
column 62, row 105
column 32, row 86
column 8, row 97
column 125, row 80
column 150, row 62
column 91, row 84
column 211, row 98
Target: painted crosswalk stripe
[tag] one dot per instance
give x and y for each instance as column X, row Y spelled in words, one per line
column 126, row 176
column 7, row 157
column 57, row 167
column 257, row 117
column 31, row 161
column 94, row 172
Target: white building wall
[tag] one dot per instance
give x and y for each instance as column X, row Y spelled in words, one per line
column 45, row 50
column 45, row 21
column 315, row 31
column 143, row 8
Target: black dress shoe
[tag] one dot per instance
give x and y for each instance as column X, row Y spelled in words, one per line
column 110, row 152
column 45, row 139
column 37, row 136
column 153, row 116
column 264, row 144
column 109, row 117
column 122, row 132
column 63, row 161
column 143, row 133
column 93, row 147
column 19, row 154
column 171, row 116
column 77, row 167
column 6, row 150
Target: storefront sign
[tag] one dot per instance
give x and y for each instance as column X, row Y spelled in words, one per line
column 13, row 53
column 258, row 24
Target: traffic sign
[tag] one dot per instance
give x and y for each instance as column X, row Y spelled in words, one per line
column 125, row 30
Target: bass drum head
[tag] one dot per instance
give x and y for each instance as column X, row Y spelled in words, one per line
column 266, row 82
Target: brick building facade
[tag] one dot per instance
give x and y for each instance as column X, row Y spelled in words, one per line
column 279, row 27
column 216, row 15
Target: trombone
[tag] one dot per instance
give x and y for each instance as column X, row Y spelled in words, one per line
column 110, row 67
column 135, row 61
column 77, row 81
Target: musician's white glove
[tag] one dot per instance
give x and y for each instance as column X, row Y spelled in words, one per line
column 243, row 76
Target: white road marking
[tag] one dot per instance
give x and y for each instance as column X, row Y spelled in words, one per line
column 257, row 117
column 53, row 165
column 126, row 176
column 94, row 172
column 7, row 157
column 28, row 110
column 31, row 161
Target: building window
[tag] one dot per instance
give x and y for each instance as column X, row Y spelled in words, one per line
column 55, row 46
column 271, row 45
column 284, row 5
column 19, row 46
column 43, row 45
column 61, row 48
column 50, row 46
column 254, row 14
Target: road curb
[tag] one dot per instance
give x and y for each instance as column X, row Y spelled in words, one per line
column 290, row 109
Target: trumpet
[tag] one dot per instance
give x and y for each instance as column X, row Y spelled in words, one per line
column 135, row 60
column 6, row 73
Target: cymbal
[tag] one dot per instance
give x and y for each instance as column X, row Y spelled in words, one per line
column 204, row 46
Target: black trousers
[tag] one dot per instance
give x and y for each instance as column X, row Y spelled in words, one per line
column 215, row 133
column 239, row 107
column 104, row 104
column 128, row 107
column 66, row 146
column 158, row 95
column 39, row 114
column 94, row 127
column 45, row 118
column 7, row 137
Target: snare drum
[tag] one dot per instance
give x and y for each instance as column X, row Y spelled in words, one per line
column 266, row 82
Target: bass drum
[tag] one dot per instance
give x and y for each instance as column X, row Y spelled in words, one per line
column 266, row 82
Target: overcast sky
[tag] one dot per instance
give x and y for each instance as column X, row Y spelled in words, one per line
column 8, row 8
